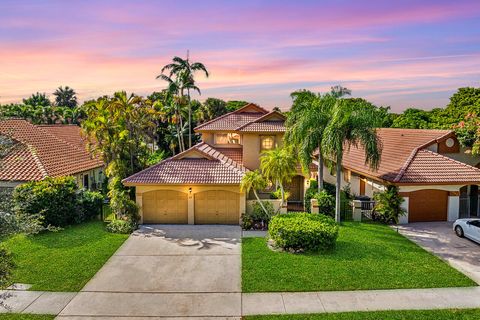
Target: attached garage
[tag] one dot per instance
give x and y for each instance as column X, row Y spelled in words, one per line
column 217, row 207
column 427, row 205
column 198, row 186
column 165, row 206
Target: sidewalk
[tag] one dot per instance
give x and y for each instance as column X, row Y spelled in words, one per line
column 365, row 300
column 39, row 302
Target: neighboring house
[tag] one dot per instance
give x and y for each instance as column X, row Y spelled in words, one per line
column 41, row 151
column 202, row 184
column 438, row 178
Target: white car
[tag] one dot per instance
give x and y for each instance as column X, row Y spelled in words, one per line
column 468, row 228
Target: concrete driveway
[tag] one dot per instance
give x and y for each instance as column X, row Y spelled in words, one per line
column 168, row 271
column 440, row 239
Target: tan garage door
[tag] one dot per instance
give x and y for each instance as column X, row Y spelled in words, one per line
column 427, row 205
column 165, row 206
column 217, row 207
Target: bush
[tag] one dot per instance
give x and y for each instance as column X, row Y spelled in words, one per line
column 58, row 201
column 313, row 190
column 303, row 232
column 388, row 205
column 258, row 219
column 326, row 203
column 91, row 203
column 277, row 194
column 54, row 198
column 121, row 226
column 6, row 267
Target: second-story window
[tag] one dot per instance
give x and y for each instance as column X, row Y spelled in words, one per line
column 267, row 142
column 227, row 138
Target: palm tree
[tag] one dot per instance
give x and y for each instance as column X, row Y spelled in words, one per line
column 184, row 71
column 353, row 123
column 65, row 97
column 306, row 123
column 253, row 180
column 278, row 166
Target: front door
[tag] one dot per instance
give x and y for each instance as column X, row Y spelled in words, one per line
column 362, row 187
column 295, row 188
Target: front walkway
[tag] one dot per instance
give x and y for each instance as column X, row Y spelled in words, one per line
column 440, row 239
column 169, row 271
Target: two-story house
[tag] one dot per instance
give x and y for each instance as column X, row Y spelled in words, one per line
column 202, row 184
column 437, row 177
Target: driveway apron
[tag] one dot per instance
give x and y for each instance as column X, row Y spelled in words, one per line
column 440, row 239
column 167, row 271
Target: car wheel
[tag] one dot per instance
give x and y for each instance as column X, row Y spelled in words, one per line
column 459, row 231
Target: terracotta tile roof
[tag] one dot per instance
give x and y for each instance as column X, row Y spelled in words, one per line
column 41, row 153
column 236, row 154
column 430, row 167
column 201, row 164
column 234, row 120
column 265, row 126
column 69, row 133
column 398, row 147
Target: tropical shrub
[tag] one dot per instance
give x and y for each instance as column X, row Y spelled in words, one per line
column 259, row 218
column 326, row 203
column 388, row 205
column 303, row 232
column 53, row 198
column 277, row 194
column 311, row 191
column 121, row 226
column 91, row 203
column 56, row 202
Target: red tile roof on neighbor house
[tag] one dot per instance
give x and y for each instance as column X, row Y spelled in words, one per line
column 430, row 167
column 250, row 118
column 40, row 151
column 201, row 164
column 405, row 160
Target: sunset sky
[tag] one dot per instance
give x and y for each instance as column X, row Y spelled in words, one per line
column 397, row 53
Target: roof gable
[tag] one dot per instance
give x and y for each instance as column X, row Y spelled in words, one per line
column 213, row 168
column 233, row 120
column 430, row 167
column 399, row 146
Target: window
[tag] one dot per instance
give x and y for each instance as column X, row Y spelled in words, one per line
column 227, row 138
column 347, row 175
column 267, row 142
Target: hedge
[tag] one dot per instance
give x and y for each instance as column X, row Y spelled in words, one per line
column 58, row 200
column 303, row 231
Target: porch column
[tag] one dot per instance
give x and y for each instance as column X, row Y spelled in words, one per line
column 191, row 207
column 453, row 205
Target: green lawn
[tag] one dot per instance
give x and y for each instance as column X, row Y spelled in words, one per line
column 450, row 314
column 18, row 316
column 64, row 260
column 368, row 256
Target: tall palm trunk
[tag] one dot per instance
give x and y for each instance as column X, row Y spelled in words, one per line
column 283, row 195
column 260, row 201
column 189, row 120
column 338, row 188
column 320, row 168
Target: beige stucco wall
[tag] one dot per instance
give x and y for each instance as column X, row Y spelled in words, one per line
column 140, row 190
column 251, row 148
column 371, row 186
